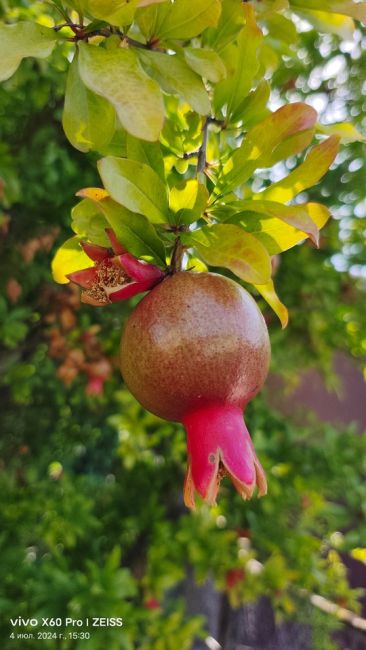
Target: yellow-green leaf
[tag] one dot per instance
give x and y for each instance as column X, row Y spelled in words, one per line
column 175, row 76
column 294, row 215
column 21, row 40
column 116, row 12
column 88, row 119
column 324, row 21
column 359, row 554
column 188, row 199
column 253, row 108
column 70, row 257
column 231, row 247
column 148, row 153
column 179, row 20
column 206, row 63
column 278, row 236
column 117, row 76
column 88, row 222
column 136, row 186
column 269, row 139
column 345, row 7
column 269, row 294
column 231, row 21
column 133, row 231
column 236, row 87
column 305, row 175
column 345, row 130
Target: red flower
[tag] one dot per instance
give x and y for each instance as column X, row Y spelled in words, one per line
column 116, row 275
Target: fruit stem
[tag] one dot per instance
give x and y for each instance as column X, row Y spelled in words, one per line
column 176, row 263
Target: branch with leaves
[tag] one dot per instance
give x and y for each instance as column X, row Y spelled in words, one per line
column 147, row 81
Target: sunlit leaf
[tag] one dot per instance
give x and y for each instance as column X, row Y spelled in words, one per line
column 269, row 294
column 284, row 132
column 206, row 63
column 88, row 119
column 231, row 247
column 236, row 87
column 88, row 221
column 117, row 76
column 253, row 108
column 345, row 7
column 305, row 175
column 294, row 215
column 323, row 21
column 282, row 28
column 148, row 153
column 70, row 257
column 21, row 40
column 188, row 200
column 230, row 23
column 136, row 186
column 133, row 231
column 116, row 12
column 274, row 233
column 175, row 76
column 345, row 130
column 179, row 20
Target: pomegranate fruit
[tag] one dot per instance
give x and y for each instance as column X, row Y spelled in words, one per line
column 196, row 350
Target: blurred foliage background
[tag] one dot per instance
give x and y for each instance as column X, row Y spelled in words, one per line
column 92, row 516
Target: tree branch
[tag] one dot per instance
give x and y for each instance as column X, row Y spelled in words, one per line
column 201, row 163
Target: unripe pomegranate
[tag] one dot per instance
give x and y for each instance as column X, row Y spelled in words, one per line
column 196, row 350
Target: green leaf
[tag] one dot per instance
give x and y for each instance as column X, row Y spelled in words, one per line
column 133, row 231
column 269, row 294
column 345, row 7
column 116, row 12
column 294, row 215
column 136, row 186
column 253, row 108
column 231, row 247
column 188, row 200
column 324, row 21
column 89, row 223
column 70, row 257
column 175, row 76
column 245, row 65
column 148, row 153
column 88, row 119
column 230, row 23
column 179, row 20
column 22, row 40
column 269, row 140
column 206, row 63
column 277, row 235
column 282, row 29
column 305, row 175
column 117, row 76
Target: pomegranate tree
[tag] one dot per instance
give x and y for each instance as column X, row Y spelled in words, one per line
column 159, row 90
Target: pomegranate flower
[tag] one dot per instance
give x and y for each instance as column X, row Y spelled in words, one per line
column 116, row 274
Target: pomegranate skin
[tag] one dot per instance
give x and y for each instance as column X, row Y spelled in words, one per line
column 196, row 339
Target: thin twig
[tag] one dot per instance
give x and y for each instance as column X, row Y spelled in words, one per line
column 201, row 163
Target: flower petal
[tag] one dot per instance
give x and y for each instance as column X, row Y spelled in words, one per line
column 84, row 278
column 95, row 252
column 129, row 290
column 139, row 270
column 118, row 249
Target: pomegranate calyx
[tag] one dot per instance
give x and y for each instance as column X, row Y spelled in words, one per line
column 219, row 444
column 116, row 274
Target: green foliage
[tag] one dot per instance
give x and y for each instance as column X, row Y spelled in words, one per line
column 92, row 520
